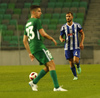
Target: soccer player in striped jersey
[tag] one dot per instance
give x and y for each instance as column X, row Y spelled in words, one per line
column 33, row 43
column 72, row 47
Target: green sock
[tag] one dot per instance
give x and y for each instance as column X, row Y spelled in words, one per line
column 40, row 75
column 54, row 78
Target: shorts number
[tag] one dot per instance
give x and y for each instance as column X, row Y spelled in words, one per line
column 48, row 53
column 30, row 33
column 76, row 53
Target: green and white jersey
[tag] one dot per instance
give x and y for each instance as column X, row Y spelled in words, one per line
column 35, row 40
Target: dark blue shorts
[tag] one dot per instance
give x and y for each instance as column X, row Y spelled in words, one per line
column 71, row 53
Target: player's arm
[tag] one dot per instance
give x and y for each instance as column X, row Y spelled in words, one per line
column 82, row 39
column 61, row 38
column 25, row 41
column 44, row 34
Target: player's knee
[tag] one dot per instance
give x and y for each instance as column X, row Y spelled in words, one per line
column 76, row 61
column 51, row 65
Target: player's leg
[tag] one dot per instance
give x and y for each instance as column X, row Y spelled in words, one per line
column 51, row 66
column 76, row 59
column 69, row 56
column 73, row 69
column 41, row 74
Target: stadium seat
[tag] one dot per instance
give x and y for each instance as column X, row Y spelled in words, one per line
column 68, row 0
column 25, row 11
column 27, row 5
column 19, row 5
column 13, row 22
column 18, row 32
column 75, row 4
column 57, row 10
column 15, row 16
column 83, row 4
column 7, row 16
column 13, row 1
column 17, row 11
column 21, row 1
column 29, row 1
column 52, row 27
column 52, row 1
column 43, row 4
column 41, row 16
column 5, row 1
column 11, row 5
column 9, row 32
column 15, row 38
column 53, row 21
column 49, row 10
column 58, row 4
column 37, row 1
column 76, row 0
column 3, row 27
column 74, row 9
column 82, row 10
column 60, row 25
column 80, row 15
column 9, row 11
column 51, row 4
column 13, row 43
column 3, row 6
column 65, row 10
column 60, row 0
column 62, row 21
column 55, row 15
column 6, row 38
column 45, row 27
column 1, row 16
column 79, row 20
column 22, row 21
column 50, row 32
column 43, row 10
column 47, row 16
column 45, row 21
column 3, row 33
column 63, row 16
column 20, row 27
column 5, row 21
column 74, row 15
column 67, row 4
column 11, row 27
column 2, row 11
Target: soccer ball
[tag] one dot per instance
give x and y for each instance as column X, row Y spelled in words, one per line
column 33, row 75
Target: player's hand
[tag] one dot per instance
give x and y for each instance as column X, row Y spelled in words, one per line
column 81, row 46
column 31, row 57
column 62, row 40
column 54, row 42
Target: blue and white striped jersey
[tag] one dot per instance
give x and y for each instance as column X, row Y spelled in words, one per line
column 71, row 35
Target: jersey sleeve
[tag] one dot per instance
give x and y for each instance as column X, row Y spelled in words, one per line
column 39, row 25
column 62, row 31
column 79, row 27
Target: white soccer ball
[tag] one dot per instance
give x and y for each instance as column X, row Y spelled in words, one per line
column 33, row 75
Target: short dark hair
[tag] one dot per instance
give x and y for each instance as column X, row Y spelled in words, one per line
column 70, row 13
column 32, row 7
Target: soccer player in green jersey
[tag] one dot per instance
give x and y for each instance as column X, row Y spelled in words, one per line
column 33, row 43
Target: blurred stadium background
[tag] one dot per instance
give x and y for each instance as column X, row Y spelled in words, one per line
column 15, row 13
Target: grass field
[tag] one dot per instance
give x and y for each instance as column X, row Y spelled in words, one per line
column 14, row 82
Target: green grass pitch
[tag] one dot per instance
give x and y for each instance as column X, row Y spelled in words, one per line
column 14, row 82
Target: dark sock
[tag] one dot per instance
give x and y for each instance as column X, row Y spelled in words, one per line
column 54, row 78
column 40, row 75
column 78, row 64
column 74, row 71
